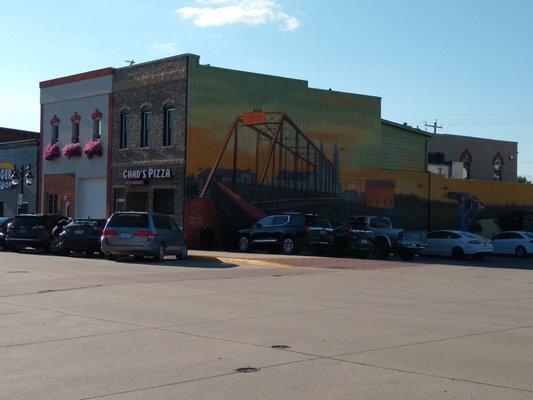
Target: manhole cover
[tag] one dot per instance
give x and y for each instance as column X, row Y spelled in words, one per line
column 281, row 347
column 247, row 370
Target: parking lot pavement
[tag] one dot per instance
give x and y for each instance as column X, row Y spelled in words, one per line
column 78, row 328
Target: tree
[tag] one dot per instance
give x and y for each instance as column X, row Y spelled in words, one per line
column 523, row 179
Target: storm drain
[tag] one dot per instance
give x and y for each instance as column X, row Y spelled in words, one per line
column 247, row 370
column 280, row 347
column 17, row 272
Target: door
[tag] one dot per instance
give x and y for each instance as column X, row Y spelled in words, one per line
column 259, row 234
column 434, row 243
column 93, row 198
column 137, row 201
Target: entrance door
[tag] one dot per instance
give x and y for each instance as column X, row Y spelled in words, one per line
column 137, row 201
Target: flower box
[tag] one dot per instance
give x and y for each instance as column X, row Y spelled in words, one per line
column 94, row 148
column 72, row 150
column 51, row 152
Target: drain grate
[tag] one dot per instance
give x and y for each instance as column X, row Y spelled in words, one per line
column 247, row 370
column 280, row 347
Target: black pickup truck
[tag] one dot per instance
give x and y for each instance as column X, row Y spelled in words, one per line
column 387, row 240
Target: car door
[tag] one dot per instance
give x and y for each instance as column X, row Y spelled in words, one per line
column 500, row 243
column 276, row 230
column 434, row 243
column 259, row 234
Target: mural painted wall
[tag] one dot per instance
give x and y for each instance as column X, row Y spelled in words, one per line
column 259, row 144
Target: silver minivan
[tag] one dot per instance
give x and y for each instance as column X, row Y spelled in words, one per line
column 142, row 234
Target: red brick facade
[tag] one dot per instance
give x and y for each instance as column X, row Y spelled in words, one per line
column 59, row 195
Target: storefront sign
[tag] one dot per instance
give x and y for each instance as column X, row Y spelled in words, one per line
column 146, row 173
column 5, row 175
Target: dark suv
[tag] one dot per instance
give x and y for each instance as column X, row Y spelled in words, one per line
column 287, row 233
column 4, row 222
column 31, row 230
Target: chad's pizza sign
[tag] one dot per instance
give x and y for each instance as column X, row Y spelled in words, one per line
column 146, row 174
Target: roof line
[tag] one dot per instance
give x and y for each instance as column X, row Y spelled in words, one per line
column 406, row 127
column 97, row 73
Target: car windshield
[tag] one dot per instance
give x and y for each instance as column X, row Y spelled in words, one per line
column 471, row 235
column 27, row 221
column 128, row 221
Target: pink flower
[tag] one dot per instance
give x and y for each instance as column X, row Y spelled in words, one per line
column 51, row 152
column 72, row 150
column 94, row 148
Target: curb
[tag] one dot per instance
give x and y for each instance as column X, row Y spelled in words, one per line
column 241, row 261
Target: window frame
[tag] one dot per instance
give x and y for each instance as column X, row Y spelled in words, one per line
column 146, row 127
column 169, row 129
column 125, row 122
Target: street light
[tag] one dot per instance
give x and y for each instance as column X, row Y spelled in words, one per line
column 26, row 177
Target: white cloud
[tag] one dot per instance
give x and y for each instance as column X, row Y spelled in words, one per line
column 167, row 48
column 209, row 13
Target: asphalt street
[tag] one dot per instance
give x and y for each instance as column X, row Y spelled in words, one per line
column 304, row 328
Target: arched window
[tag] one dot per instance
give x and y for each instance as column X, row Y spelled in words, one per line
column 146, row 127
column 97, row 124
column 75, row 120
column 169, row 112
column 124, row 129
column 54, row 137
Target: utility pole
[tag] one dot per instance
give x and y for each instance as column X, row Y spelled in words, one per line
column 435, row 126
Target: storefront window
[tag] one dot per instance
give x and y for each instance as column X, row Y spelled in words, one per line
column 164, row 201
column 146, row 127
column 170, row 118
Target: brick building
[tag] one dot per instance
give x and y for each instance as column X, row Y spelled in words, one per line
column 149, row 125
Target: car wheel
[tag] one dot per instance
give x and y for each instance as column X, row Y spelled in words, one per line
column 479, row 256
column 521, row 251
column 183, row 254
column 244, row 244
column 111, row 257
column 288, row 246
column 458, row 253
column 159, row 256
column 407, row 256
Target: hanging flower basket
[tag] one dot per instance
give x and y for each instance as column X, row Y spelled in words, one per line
column 72, row 150
column 94, row 148
column 51, row 152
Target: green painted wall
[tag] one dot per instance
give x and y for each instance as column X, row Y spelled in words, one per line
column 216, row 96
column 402, row 149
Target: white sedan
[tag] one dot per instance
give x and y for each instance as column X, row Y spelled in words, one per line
column 513, row 242
column 457, row 244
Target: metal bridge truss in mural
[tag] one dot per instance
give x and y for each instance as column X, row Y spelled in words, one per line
column 290, row 169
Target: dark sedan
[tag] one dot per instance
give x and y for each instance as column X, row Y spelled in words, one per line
column 81, row 235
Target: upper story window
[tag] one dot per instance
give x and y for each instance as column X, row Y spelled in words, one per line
column 124, row 129
column 75, row 120
column 169, row 125
column 146, row 127
column 97, row 124
column 54, row 137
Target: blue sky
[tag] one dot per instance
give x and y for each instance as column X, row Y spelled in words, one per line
column 467, row 63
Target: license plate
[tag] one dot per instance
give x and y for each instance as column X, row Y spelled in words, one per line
column 125, row 236
column 364, row 241
column 78, row 232
column 323, row 232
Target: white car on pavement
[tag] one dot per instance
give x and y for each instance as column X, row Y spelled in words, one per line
column 513, row 242
column 457, row 244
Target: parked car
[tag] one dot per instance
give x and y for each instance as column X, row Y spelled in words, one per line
column 142, row 234
column 32, row 230
column 457, row 244
column 388, row 240
column 354, row 238
column 81, row 235
column 3, row 229
column 513, row 242
column 287, row 233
